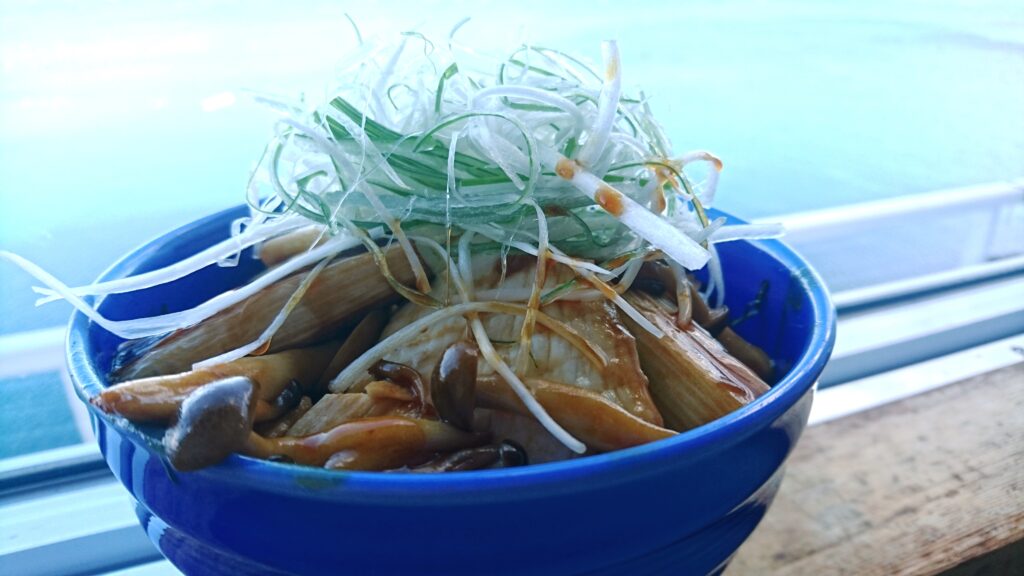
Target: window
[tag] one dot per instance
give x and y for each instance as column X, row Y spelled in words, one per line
column 125, row 128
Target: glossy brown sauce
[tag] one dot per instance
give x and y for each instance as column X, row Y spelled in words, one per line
column 565, row 168
column 610, row 200
column 659, row 203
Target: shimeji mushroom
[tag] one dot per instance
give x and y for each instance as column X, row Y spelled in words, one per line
column 216, row 421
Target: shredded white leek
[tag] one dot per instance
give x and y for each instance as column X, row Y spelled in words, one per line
column 182, row 268
column 157, row 325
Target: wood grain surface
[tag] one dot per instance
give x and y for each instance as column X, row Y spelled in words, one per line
column 933, row 484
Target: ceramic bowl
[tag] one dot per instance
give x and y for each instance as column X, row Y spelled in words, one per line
column 677, row 506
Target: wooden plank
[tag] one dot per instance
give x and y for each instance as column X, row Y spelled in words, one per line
column 931, row 484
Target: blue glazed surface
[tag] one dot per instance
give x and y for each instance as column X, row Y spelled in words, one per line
column 679, row 506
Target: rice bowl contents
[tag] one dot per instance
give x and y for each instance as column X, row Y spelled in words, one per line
column 471, row 263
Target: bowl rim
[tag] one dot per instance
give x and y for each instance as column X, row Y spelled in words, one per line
column 612, row 467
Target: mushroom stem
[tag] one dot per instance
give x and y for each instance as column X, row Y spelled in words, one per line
column 701, row 311
column 718, row 319
column 506, row 454
column 157, row 399
column 378, row 443
column 469, row 459
column 750, row 355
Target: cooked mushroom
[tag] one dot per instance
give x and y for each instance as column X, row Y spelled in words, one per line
column 469, row 459
column 215, row 421
column 288, row 398
column 453, row 384
column 717, row 320
column 279, row 427
column 379, row 443
column 507, row 454
column 512, row 454
column 752, row 356
column 157, row 399
column 408, row 378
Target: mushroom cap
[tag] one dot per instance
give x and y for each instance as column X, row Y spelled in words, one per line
column 453, row 384
column 213, row 422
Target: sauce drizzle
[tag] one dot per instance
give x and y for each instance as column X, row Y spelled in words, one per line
column 609, row 199
column 565, row 168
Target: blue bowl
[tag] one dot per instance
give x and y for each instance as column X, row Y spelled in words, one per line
column 677, row 506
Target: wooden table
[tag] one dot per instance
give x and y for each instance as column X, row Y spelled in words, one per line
column 933, row 484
